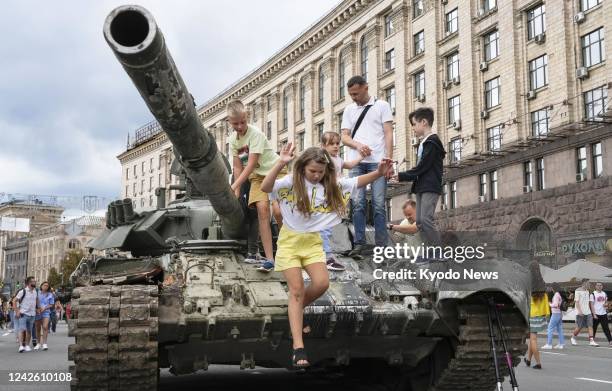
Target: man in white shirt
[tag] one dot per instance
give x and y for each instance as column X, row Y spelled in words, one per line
column 584, row 318
column 372, row 137
column 26, row 304
column 599, row 307
column 408, row 225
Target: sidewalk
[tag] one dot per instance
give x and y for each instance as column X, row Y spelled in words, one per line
column 568, row 328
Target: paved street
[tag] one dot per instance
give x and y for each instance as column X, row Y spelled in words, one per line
column 577, row 367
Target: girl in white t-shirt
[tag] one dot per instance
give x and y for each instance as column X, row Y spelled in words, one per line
column 311, row 199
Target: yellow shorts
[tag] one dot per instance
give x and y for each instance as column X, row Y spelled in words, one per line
column 298, row 249
column 255, row 194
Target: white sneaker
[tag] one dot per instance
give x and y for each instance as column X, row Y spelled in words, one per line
column 547, row 347
column 45, row 347
column 21, row 348
column 593, row 343
column 28, row 348
column 559, row 347
column 574, row 341
column 37, row 347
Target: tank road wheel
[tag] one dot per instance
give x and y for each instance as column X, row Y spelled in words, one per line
column 115, row 330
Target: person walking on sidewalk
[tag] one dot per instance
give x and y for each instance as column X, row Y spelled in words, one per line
column 556, row 319
column 537, row 314
column 584, row 317
column 26, row 305
column 599, row 301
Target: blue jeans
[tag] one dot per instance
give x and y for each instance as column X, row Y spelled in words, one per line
column 379, row 193
column 325, row 235
column 555, row 323
column 26, row 322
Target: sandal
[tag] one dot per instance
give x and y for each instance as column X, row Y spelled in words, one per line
column 299, row 354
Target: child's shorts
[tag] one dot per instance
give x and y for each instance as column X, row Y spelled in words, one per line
column 298, row 249
column 255, row 193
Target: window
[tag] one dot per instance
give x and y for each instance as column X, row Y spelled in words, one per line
column 494, row 138
column 339, row 122
column 151, row 165
column 538, row 75
column 285, row 109
column 452, row 66
column 586, row 5
column 489, row 5
column 269, row 103
column 388, row 25
column 453, row 195
column 581, row 163
column 491, row 45
column 159, row 162
column 134, row 171
column 302, row 98
column 320, row 129
column 341, row 76
column 390, row 97
column 595, row 103
column 536, row 21
column 364, row 58
column 419, row 42
column 454, row 109
column 493, row 177
column 539, row 123
column 134, row 189
column 417, row 8
column 142, row 203
column 451, row 21
column 597, row 158
column 321, row 87
column 482, row 188
column 142, row 186
column 142, row 169
column 127, row 188
column 593, row 48
column 269, row 130
column 127, row 173
column 300, row 141
column 150, row 183
column 390, row 60
column 455, row 150
column 150, row 200
column 74, row 244
column 527, row 177
column 540, row 174
column 419, row 84
column 159, row 181
column 492, row 92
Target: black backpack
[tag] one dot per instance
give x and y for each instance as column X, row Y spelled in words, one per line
column 23, row 296
column 564, row 304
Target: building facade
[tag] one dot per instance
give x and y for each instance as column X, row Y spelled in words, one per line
column 520, row 94
column 48, row 245
column 39, row 215
column 16, row 258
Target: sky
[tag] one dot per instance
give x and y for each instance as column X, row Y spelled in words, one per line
column 66, row 105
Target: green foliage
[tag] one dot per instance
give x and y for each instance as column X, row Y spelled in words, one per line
column 54, row 278
column 69, row 263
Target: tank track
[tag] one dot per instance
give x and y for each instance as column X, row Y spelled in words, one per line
column 115, row 330
column 472, row 366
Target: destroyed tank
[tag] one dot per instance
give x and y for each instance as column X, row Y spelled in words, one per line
column 168, row 288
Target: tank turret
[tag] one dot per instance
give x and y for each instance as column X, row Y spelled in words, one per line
column 139, row 45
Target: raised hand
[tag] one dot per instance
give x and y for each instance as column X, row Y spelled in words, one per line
column 385, row 166
column 287, row 153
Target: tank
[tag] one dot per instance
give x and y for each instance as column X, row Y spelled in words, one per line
column 168, row 288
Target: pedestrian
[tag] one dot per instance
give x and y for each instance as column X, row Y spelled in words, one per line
column 58, row 310
column 556, row 319
column 537, row 314
column 52, row 314
column 407, row 227
column 311, row 200
column 584, row 316
column 600, row 311
column 26, row 304
column 426, row 176
column 47, row 301
column 330, row 141
column 367, row 130
column 253, row 157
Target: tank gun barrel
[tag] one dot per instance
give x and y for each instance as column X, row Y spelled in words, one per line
column 138, row 44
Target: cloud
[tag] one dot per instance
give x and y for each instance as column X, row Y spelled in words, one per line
column 66, row 106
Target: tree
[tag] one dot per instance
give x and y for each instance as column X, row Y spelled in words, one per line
column 69, row 264
column 54, row 278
